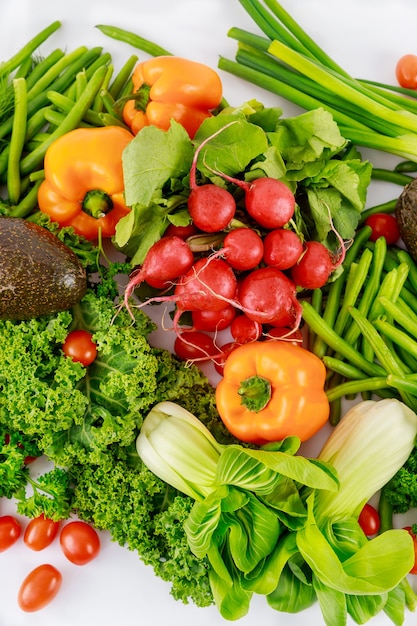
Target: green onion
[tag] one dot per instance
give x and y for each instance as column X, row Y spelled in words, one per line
column 289, row 63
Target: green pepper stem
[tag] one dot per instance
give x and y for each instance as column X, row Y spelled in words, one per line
column 255, row 392
column 97, row 203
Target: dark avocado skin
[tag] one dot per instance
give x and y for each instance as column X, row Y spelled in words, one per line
column 406, row 215
column 39, row 275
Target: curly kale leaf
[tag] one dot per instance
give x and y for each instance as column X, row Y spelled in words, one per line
column 147, row 516
column 51, row 496
column 401, row 490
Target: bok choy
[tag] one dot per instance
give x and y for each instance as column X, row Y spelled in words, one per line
column 271, row 522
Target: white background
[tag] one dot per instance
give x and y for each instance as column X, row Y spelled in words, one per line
column 366, row 37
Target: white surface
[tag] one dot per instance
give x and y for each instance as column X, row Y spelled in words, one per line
column 366, row 37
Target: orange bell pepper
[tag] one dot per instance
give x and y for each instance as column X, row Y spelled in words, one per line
column 84, row 186
column 169, row 87
column 271, row 390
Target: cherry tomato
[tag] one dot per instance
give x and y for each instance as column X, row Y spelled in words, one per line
column 224, row 351
column 80, row 347
column 10, row 531
column 369, row 520
column 79, row 542
column 40, row 533
column 212, row 321
column 410, row 529
column 39, row 588
column 383, row 225
column 194, row 346
column 406, row 71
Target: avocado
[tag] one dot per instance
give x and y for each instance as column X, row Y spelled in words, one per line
column 39, row 275
column 406, row 215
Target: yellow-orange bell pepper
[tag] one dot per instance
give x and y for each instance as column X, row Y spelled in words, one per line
column 271, row 390
column 170, row 87
column 83, row 185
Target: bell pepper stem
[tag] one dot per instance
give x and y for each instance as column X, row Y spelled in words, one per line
column 255, row 392
column 97, row 203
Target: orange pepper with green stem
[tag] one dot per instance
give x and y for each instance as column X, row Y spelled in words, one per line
column 170, row 87
column 84, row 186
column 271, row 390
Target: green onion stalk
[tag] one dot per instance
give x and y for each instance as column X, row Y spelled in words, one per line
column 288, row 62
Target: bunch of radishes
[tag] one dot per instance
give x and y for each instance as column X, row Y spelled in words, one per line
column 250, row 283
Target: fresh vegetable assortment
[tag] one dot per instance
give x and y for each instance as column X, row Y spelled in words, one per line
column 247, row 223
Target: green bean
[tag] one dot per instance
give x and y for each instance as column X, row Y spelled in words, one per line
column 17, row 140
column 405, row 257
column 391, row 176
column 337, row 343
column 60, row 84
column 316, row 302
column 355, row 281
column 390, row 287
column 385, row 207
column 335, row 413
column 371, row 287
column 8, row 66
column 55, row 118
column 386, row 520
column 48, row 76
column 27, row 204
column 336, row 288
column 357, row 386
column 109, row 104
column 123, row 76
column 403, row 384
column 133, row 40
column 406, row 166
column 71, row 121
column 401, row 313
column 65, row 105
column 107, row 119
column 341, row 367
column 384, row 355
column 26, row 69
column 396, row 335
column 42, row 71
column 98, row 100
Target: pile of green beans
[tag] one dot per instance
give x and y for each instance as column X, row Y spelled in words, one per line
column 44, row 98
column 364, row 325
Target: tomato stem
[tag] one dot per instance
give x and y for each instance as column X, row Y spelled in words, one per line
column 255, row 392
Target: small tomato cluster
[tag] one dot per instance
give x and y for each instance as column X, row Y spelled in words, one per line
column 79, row 543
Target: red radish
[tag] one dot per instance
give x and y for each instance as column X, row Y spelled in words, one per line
column 213, row 321
column 207, row 285
column 269, row 201
column 244, row 330
column 181, row 231
column 242, row 248
column 282, row 248
column 194, row 346
column 165, row 261
column 268, row 296
column 224, row 352
column 315, row 265
column 211, row 207
column 285, row 334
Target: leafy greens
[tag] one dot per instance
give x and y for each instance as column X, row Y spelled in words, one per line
column 307, row 152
